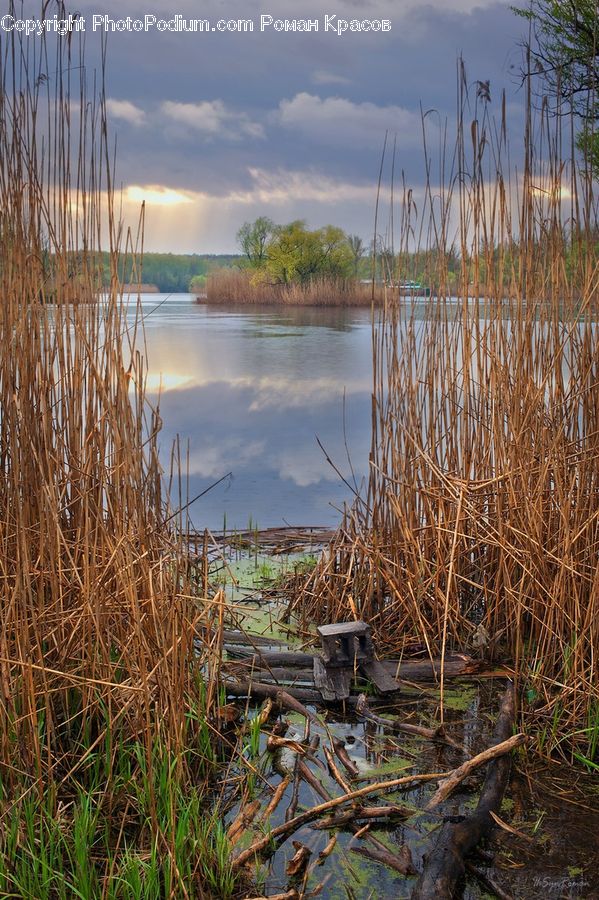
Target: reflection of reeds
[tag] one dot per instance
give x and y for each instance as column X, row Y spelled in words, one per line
column 102, row 712
column 480, row 526
column 236, row 286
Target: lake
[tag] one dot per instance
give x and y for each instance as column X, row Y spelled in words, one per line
column 249, row 390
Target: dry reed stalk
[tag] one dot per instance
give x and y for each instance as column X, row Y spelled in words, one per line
column 97, row 620
column 238, row 287
column 481, row 520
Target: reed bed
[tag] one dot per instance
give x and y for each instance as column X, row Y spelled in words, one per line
column 107, row 727
column 238, row 286
column 479, row 527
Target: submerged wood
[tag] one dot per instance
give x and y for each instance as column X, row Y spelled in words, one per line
column 444, row 864
column 363, row 813
column 488, row 882
column 344, row 758
column 449, row 785
column 400, row 862
column 430, row 734
column 287, row 828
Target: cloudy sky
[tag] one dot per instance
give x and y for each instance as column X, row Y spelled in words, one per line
column 215, row 129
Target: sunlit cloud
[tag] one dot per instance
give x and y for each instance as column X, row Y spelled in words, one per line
column 282, row 185
column 126, row 111
column 212, row 119
column 157, row 195
column 184, row 220
column 336, row 120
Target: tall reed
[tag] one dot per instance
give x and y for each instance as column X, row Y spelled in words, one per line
column 104, row 721
column 480, row 525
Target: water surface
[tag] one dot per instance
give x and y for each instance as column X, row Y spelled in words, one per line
column 249, row 390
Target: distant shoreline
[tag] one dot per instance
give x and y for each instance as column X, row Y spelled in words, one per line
column 240, row 288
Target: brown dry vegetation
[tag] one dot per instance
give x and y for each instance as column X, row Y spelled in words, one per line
column 480, row 525
column 236, row 286
column 105, row 736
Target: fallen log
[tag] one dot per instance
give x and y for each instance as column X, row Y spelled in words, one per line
column 276, row 693
column 242, row 668
column 251, row 640
column 444, row 864
column 449, row 785
column 361, row 813
column 269, row 657
column 416, row 670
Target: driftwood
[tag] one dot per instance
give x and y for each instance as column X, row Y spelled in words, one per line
column 275, row 799
column 430, row 734
column 287, row 698
column 309, row 815
column 444, row 864
column 288, row 895
column 376, row 851
column 250, row 640
column 313, row 781
column 343, row 757
column 324, row 854
column 269, row 657
column 401, row 861
column 449, row 785
column 363, row 813
column 244, row 819
column 297, row 864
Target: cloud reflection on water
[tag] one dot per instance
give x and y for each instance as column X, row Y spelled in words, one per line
column 249, row 392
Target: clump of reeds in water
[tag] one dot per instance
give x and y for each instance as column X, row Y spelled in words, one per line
column 105, row 734
column 238, row 286
column 480, row 525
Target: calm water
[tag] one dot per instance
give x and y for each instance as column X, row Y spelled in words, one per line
column 250, row 390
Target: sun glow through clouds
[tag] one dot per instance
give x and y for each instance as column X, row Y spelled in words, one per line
column 156, row 195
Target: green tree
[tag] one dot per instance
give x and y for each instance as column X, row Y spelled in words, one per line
column 356, row 245
column 565, row 54
column 296, row 254
column 253, row 239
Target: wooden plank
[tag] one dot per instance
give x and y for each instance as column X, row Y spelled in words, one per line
column 270, row 657
column 249, row 639
column 332, row 684
column 343, row 628
column 380, row 677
